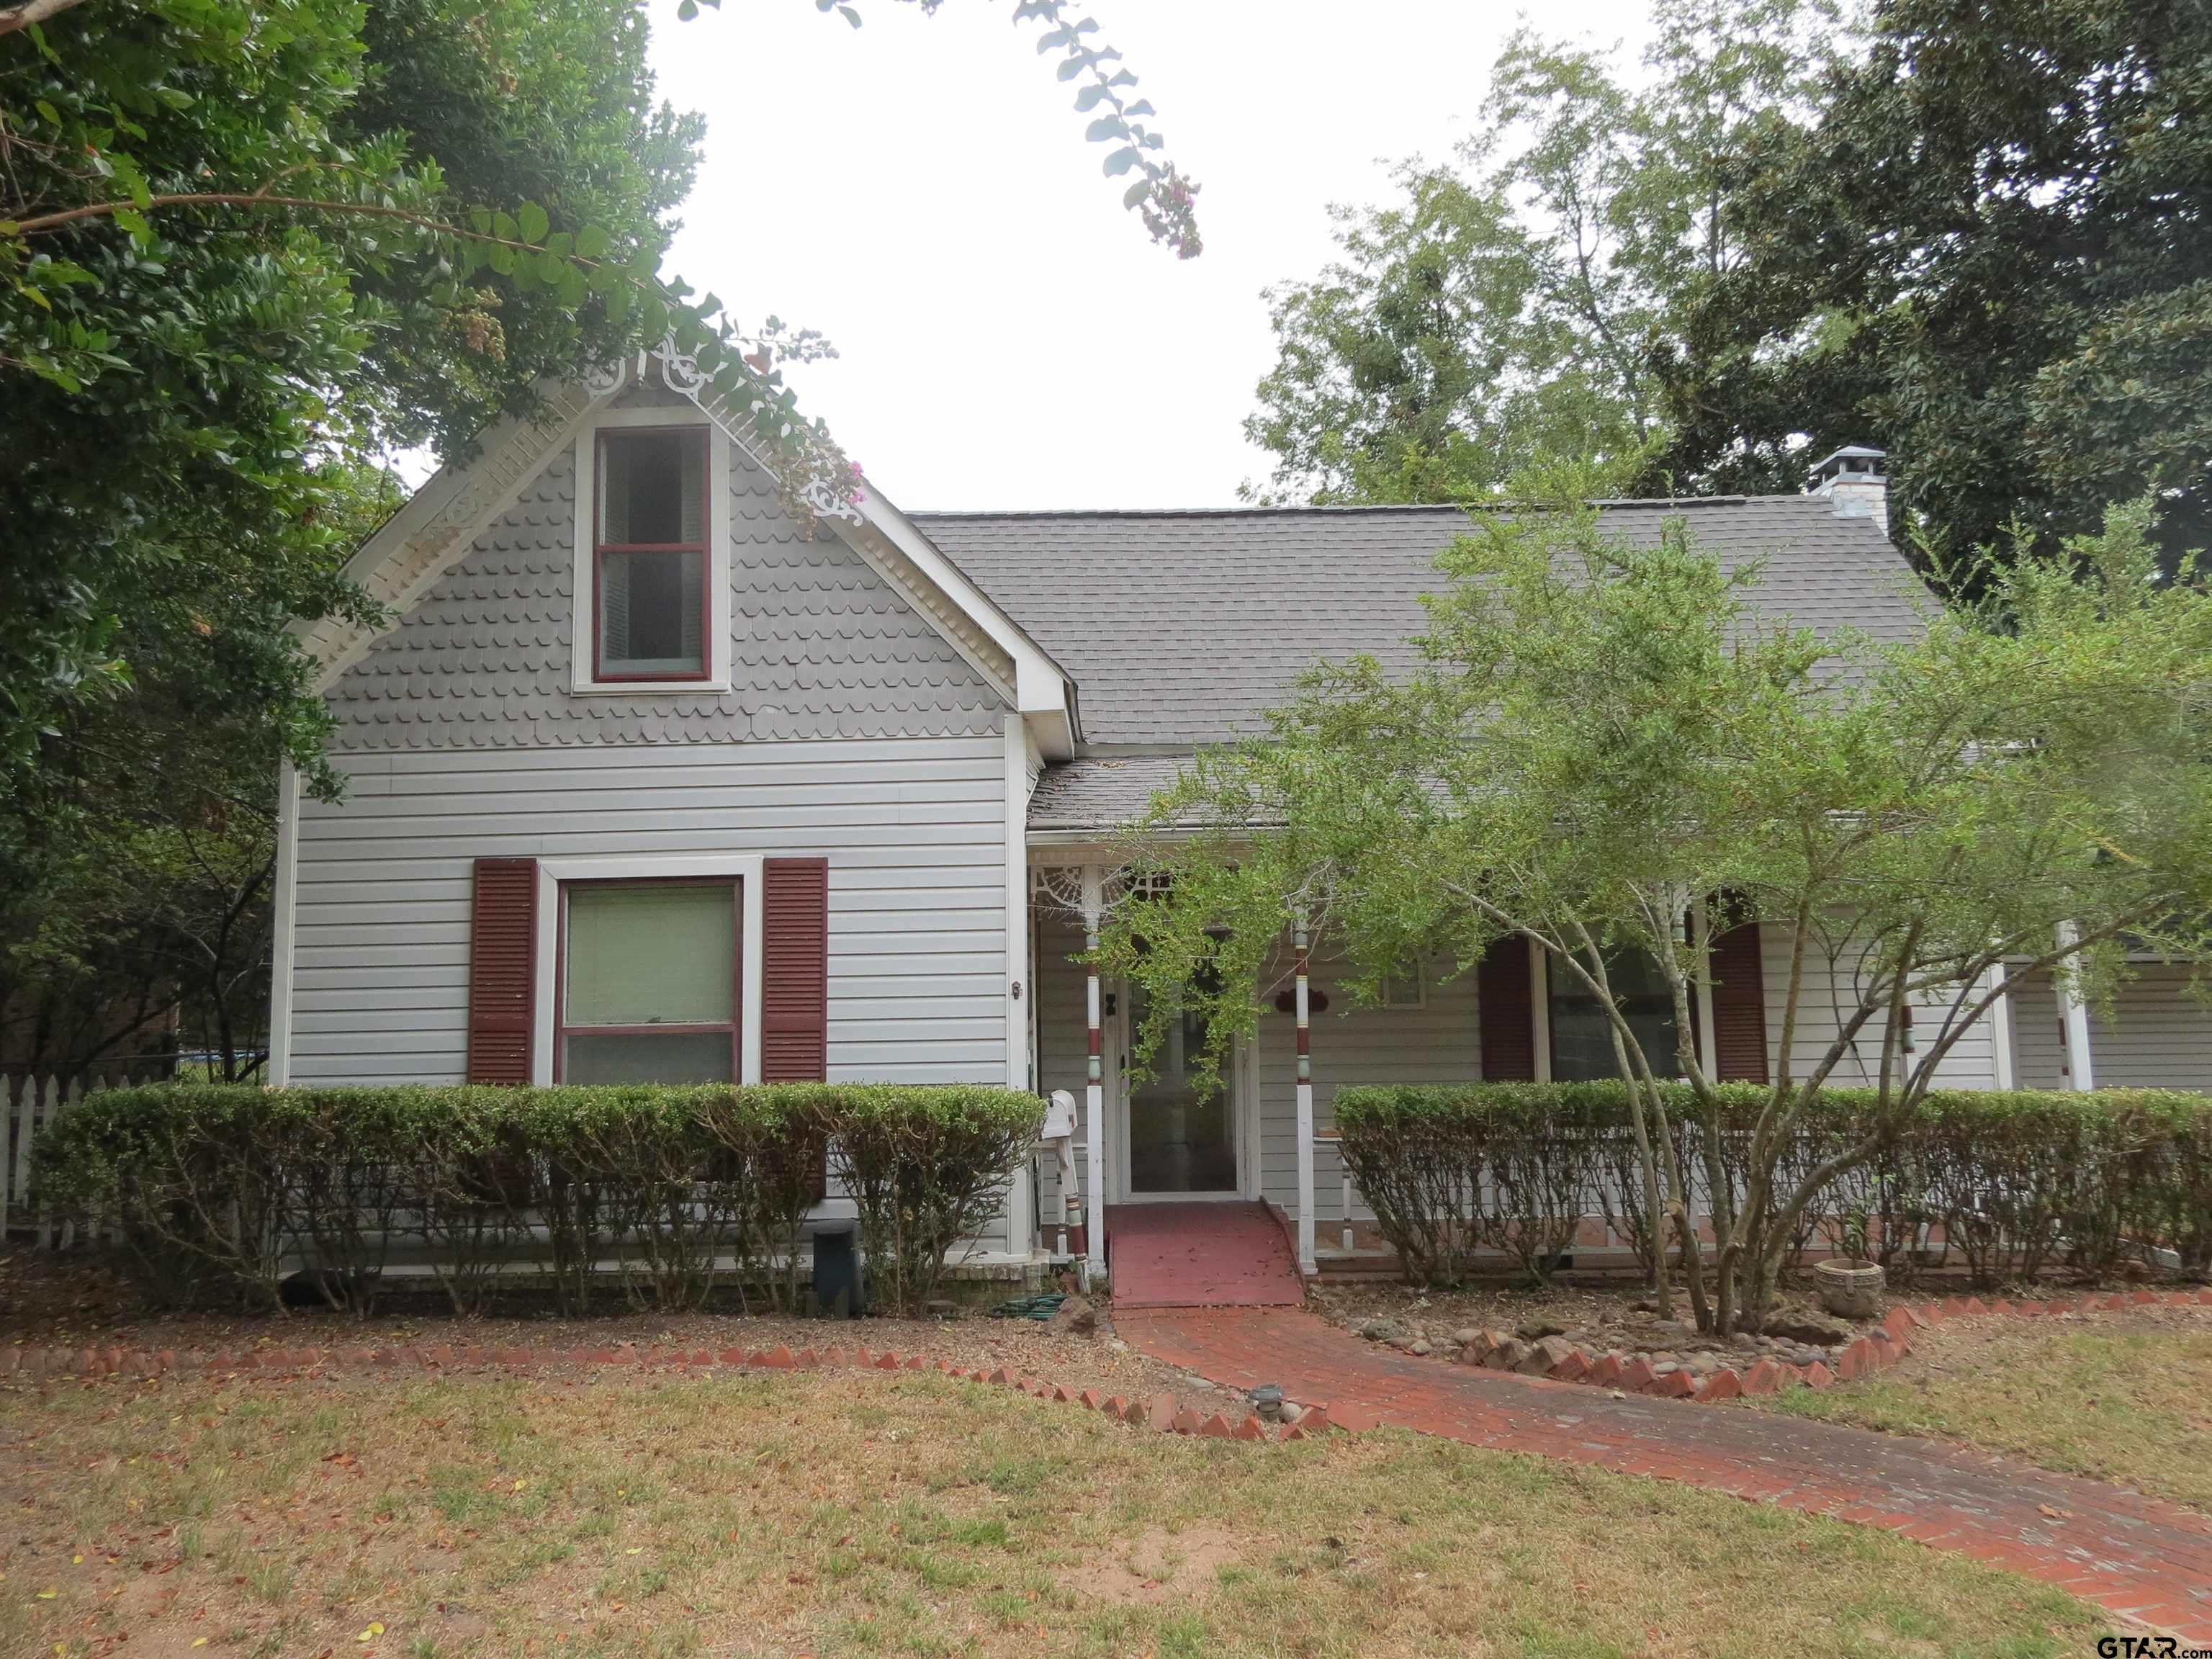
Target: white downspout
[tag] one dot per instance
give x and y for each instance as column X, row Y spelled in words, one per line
column 284, row 918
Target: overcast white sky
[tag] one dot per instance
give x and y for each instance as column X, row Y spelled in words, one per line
column 919, row 190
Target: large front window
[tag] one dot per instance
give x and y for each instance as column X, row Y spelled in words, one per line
column 1582, row 1037
column 649, row 560
column 650, row 982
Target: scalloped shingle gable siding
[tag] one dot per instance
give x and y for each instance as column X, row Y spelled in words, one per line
column 822, row 647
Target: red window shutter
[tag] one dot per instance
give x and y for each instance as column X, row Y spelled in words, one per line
column 795, row 970
column 1739, row 1005
column 502, row 970
column 1505, row 1008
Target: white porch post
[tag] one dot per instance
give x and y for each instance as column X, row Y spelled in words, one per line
column 1306, row 1262
column 2000, row 1017
column 1094, row 1092
column 2073, row 1016
column 1701, row 947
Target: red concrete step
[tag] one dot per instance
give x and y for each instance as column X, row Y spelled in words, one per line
column 1199, row 1255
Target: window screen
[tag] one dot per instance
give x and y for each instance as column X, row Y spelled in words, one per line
column 650, row 983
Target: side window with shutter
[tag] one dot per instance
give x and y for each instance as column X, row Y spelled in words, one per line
column 502, row 988
column 1505, row 1011
column 795, row 971
column 1739, row 1005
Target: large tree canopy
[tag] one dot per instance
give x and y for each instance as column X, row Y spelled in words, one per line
column 247, row 247
column 1504, row 307
column 1992, row 255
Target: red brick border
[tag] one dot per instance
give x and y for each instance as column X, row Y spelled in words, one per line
column 1878, row 1349
column 86, row 1365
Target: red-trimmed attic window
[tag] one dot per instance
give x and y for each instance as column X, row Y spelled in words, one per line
column 649, row 563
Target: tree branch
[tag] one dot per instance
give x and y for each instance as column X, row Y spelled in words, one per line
column 16, row 19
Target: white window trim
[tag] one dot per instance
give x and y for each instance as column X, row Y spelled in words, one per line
column 721, row 534
column 648, row 866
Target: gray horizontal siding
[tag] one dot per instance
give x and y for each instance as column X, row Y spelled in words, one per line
column 914, row 830
column 1827, row 999
column 2156, row 1035
column 1439, row 1042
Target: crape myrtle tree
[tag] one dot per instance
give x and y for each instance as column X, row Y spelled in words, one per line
column 1602, row 736
column 247, row 251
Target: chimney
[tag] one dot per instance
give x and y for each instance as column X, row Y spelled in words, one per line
column 1854, row 483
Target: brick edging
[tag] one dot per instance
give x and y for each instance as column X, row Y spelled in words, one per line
column 1883, row 1346
column 1162, row 1411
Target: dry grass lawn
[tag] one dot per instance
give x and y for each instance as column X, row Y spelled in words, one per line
column 840, row 1513
column 2125, row 1397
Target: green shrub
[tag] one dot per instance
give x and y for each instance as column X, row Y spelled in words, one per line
column 221, row 1192
column 2016, row 1181
column 925, row 1171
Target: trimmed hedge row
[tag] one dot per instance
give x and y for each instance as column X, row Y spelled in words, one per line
column 2016, row 1181
column 222, row 1192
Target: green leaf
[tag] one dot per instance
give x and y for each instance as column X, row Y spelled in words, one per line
column 1120, row 161
column 500, row 258
column 48, row 113
column 1105, row 127
column 591, row 242
column 134, row 221
column 132, row 178
column 1136, row 192
column 481, row 218
column 504, row 228
column 686, row 10
column 533, row 220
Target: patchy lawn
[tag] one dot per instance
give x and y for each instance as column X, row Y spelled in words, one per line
column 2124, row 1395
column 844, row 1513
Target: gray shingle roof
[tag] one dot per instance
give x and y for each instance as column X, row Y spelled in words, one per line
column 1099, row 791
column 1182, row 628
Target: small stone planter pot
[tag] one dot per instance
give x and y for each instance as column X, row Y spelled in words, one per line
column 1849, row 1290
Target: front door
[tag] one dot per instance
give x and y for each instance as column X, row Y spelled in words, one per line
column 1182, row 1138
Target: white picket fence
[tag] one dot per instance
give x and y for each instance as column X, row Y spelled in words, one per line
column 31, row 1105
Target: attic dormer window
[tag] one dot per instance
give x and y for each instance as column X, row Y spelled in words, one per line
column 649, row 554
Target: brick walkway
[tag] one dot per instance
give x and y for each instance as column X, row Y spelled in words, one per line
column 2131, row 1554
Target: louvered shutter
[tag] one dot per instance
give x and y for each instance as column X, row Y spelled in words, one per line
column 1739, row 1005
column 1506, row 1010
column 502, row 969
column 795, row 970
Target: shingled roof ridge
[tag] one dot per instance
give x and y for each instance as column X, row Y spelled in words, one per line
column 1370, row 507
